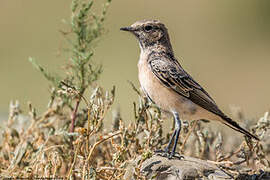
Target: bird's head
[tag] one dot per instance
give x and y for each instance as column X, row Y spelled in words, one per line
column 149, row 33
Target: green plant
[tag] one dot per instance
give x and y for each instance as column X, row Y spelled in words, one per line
column 81, row 71
column 46, row 149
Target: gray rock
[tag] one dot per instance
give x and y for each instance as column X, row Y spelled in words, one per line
column 181, row 168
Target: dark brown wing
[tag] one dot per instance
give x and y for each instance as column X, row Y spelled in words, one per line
column 173, row 76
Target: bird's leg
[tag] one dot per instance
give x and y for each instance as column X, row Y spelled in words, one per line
column 176, row 132
column 170, row 142
column 174, row 138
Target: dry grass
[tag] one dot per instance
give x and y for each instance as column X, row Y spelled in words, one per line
column 47, row 145
column 44, row 147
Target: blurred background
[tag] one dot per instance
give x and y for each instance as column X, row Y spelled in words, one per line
column 225, row 46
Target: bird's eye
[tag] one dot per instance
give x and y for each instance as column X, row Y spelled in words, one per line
column 148, row 28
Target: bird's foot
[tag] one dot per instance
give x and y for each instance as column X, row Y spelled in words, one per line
column 169, row 155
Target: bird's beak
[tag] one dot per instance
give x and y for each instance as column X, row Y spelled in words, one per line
column 130, row 29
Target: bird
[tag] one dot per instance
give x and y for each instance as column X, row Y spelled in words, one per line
column 164, row 81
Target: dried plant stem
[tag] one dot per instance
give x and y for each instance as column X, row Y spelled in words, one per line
column 232, row 154
column 51, row 147
column 88, row 127
column 187, row 136
column 73, row 163
column 84, row 170
column 74, row 114
column 101, row 141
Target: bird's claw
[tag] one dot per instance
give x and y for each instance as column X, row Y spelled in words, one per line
column 169, row 155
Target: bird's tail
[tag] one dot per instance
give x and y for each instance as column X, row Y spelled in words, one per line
column 232, row 124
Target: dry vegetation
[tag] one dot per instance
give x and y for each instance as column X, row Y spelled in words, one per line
column 47, row 145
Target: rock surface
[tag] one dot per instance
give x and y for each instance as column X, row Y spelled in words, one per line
column 181, row 168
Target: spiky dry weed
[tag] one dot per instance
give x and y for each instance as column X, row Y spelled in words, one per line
column 46, row 149
column 46, row 146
